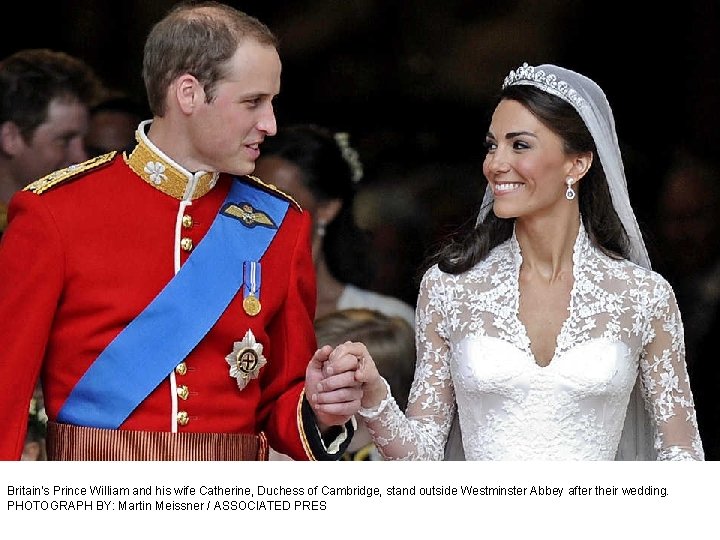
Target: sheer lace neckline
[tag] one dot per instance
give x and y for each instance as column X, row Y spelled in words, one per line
column 581, row 244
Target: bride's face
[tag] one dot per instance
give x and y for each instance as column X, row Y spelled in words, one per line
column 525, row 165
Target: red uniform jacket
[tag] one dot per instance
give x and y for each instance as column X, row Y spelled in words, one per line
column 82, row 259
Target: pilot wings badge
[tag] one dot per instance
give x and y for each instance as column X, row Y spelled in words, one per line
column 248, row 216
column 246, row 359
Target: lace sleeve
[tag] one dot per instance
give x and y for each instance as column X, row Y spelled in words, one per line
column 420, row 433
column 665, row 382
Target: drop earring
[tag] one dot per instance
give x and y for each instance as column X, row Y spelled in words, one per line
column 570, row 192
column 320, row 228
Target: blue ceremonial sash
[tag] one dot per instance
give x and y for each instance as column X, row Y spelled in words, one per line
column 170, row 327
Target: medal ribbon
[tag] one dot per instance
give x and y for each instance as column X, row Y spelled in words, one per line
column 252, row 278
column 170, row 327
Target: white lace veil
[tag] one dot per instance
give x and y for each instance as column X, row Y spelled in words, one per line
column 590, row 102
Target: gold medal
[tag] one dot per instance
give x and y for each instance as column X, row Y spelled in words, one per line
column 251, row 305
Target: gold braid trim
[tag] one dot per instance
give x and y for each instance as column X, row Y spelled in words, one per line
column 271, row 187
column 3, row 217
column 301, row 428
column 54, row 178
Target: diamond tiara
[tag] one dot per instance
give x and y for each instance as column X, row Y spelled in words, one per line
column 527, row 74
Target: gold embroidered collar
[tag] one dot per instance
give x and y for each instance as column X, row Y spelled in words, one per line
column 161, row 172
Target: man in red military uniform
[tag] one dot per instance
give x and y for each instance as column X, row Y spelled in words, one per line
column 167, row 307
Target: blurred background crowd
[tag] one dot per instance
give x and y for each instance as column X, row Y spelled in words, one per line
column 413, row 83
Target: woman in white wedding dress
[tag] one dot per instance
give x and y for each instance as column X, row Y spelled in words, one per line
column 535, row 327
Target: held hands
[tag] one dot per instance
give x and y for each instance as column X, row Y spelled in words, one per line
column 374, row 387
column 343, row 380
column 331, row 388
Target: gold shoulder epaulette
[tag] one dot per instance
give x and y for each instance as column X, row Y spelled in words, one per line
column 270, row 187
column 54, row 178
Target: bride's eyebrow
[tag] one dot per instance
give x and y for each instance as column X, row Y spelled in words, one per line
column 514, row 134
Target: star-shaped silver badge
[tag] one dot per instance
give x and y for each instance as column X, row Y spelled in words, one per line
column 246, row 359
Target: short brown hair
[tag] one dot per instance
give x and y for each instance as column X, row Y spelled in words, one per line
column 196, row 38
column 31, row 79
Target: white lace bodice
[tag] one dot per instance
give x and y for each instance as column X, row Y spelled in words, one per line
column 474, row 355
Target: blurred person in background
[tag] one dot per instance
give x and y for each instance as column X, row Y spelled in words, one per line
column 45, row 98
column 113, row 122
column 321, row 171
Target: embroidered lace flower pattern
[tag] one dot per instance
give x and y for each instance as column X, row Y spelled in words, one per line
column 156, row 170
column 474, row 357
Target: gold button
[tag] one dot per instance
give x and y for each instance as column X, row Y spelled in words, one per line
column 183, row 392
column 181, row 368
column 186, row 244
column 183, row 418
column 187, row 221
